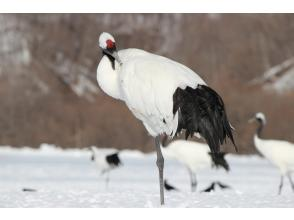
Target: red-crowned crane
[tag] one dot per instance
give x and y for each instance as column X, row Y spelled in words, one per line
column 195, row 156
column 278, row 152
column 105, row 162
column 165, row 95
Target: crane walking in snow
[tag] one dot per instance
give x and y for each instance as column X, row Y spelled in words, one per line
column 165, row 95
column 105, row 162
column 278, row 152
column 195, row 156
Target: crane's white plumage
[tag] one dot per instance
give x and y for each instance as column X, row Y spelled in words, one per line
column 157, row 89
column 165, row 95
column 195, row 156
column 147, row 82
column 280, row 153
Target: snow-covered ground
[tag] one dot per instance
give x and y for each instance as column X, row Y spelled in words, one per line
column 69, row 179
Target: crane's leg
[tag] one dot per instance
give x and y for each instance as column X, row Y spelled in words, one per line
column 193, row 180
column 281, row 184
column 160, row 165
column 107, row 180
column 194, row 184
column 292, row 184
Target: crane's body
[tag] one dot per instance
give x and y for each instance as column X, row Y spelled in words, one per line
column 105, row 163
column 140, row 67
column 195, row 156
column 280, row 153
column 166, row 96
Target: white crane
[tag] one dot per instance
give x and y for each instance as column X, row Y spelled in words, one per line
column 195, row 156
column 165, row 95
column 278, row 152
column 105, row 162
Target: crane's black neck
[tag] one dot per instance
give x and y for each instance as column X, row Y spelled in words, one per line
column 260, row 127
column 111, row 59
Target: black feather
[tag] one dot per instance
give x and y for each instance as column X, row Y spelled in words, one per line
column 29, row 190
column 209, row 188
column 202, row 110
column 113, row 159
column 219, row 160
column 223, row 186
column 169, row 187
column 111, row 58
column 212, row 186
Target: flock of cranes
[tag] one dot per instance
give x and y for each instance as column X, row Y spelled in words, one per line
column 169, row 98
column 197, row 156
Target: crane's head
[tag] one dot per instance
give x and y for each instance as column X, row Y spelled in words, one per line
column 108, row 46
column 259, row 117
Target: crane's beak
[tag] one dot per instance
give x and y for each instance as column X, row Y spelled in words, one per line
column 251, row 120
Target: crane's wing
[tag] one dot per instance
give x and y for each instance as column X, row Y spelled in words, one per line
column 168, row 97
column 279, row 151
column 148, row 83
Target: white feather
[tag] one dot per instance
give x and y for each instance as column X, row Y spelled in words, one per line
column 146, row 83
column 280, row 153
column 195, row 156
column 107, row 78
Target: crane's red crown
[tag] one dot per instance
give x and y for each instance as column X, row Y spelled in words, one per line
column 110, row 44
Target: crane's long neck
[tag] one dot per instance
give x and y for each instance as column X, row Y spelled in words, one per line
column 259, row 128
column 111, row 59
column 108, row 78
column 257, row 139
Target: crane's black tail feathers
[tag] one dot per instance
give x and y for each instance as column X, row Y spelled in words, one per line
column 113, row 160
column 218, row 160
column 202, row 110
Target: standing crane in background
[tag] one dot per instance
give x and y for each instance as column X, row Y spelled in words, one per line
column 105, row 162
column 166, row 96
column 278, row 152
